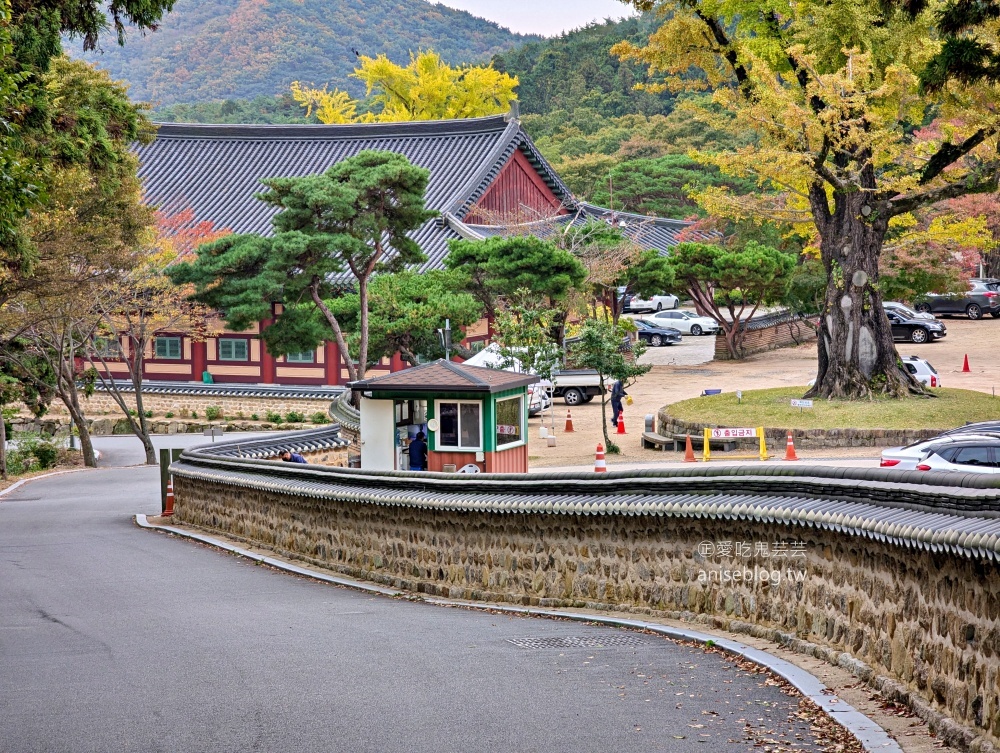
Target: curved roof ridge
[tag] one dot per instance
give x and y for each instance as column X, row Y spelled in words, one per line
column 299, row 131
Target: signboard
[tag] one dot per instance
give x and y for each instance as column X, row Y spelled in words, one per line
column 508, row 430
column 802, row 403
column 732, row 433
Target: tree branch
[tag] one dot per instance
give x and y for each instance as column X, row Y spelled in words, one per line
column 953, row 190
column 947, row 153
column 719, row 35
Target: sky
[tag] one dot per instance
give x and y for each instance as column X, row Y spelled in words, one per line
column 546, row 17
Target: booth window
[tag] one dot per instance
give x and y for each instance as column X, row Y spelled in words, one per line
column 461, row 426
column 306, row 356
column 509, row 418
column 233, row 350
column 168, row 347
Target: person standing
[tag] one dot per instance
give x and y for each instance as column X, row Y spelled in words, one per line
column 418, row 453
column 617, row 394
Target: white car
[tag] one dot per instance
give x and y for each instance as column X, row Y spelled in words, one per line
column 687, row 322
column 922, row 371
column 538, row 397
column 968, row 455
column 909, row 457
column 655, row 303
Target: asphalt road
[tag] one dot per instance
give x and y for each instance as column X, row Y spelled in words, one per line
column 113, row 638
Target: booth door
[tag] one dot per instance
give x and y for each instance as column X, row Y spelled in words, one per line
column 378, row 435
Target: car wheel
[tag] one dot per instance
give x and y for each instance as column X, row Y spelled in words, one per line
column 996, row 314
column 924, row 308
column 659, row 306
column 695, row 329
column 656, row 341
column 918, row 335
column 973, row 311
column 573, row 396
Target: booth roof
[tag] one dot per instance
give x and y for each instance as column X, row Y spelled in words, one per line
column 446, row 376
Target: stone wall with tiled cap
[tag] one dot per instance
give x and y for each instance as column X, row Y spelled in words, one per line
column 908, row 594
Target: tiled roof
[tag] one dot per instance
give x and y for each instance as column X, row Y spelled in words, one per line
column 215, row 170
column 649, row 232
column 442, row 376
column 156, row 387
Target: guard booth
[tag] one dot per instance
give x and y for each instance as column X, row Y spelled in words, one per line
column 473, row 418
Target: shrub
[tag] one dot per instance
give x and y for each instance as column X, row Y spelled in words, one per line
column 294, row 417
column 254, row 417
column 47, row 454
column 168, row 414
column 194, row 414
column 213, row 413
column 272, row 417
column 148, row 413
column 319, row 417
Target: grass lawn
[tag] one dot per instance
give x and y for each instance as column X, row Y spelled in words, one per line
column 771, row 408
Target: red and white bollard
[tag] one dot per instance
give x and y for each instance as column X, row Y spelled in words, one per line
column 599, row 465
column 569, row 421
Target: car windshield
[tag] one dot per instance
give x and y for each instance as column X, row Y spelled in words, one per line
column 642, row 324
column 929, row 366
column 904, row 311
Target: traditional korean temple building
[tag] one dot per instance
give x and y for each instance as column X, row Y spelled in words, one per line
column 485, row 175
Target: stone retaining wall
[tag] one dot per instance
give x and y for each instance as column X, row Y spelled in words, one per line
column 805, row 439
column 779, row 335
column 183, row 405
column 928, row 619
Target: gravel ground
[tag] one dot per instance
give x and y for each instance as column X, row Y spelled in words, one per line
column 683, row 371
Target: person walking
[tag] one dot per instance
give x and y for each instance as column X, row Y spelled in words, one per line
column 617, row 394
column 418, row 453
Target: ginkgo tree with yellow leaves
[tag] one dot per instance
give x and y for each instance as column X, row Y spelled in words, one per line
column 840, row 94
column 425, row 89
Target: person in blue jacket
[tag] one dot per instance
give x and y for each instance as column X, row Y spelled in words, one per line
column 292, row 457
column 418, row 453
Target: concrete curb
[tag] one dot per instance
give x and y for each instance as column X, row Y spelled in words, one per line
column 24, row 481
column 871, row 735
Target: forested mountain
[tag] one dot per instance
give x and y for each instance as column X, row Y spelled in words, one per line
column 240, row 49
column 577, row 69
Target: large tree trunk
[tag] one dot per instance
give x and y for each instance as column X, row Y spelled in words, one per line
column 857, row 357
column 141, row 429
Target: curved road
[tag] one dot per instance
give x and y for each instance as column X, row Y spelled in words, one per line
column 113, row 638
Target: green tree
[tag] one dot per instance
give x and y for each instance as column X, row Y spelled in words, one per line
column 407, row 309
column 838, row 94
column 499, row 267
column 663, row 186
column 727, row 284
column 600, row 348
column 334, row 231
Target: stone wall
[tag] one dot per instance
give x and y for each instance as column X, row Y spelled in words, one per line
column 805, row 439
column 778, row 335
column 182, row 406
column 930, row 620
column 51, row 426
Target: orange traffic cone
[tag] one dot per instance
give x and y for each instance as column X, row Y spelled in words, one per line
column 621, row 422
column 569, row 420
column 168, row 509
column 689, row 451
column 965, row 366
column 790, row 449
column 599, row 465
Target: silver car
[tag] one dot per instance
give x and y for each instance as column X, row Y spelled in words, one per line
column 907, row 458
column 967, row 455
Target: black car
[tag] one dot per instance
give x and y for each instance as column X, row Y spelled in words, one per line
column 656, row 335
column 914, row 330
column 982, row 298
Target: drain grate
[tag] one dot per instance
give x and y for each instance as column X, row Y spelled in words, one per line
column 580, row 641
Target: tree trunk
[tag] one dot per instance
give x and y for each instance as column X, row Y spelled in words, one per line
column 857, row 357
column 363, row 347
column 141, row 428
column 3, row 448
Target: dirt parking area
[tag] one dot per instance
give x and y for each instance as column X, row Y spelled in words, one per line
column 683, row 371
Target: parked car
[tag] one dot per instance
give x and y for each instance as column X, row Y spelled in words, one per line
column 688, row 323
column 983, row 297
column 538, row 397
column 656, row 334
column 906, row 310
column 922, row 370
column 576, row 386
column 655, row 303
column 908, row 457
column 968, row 455
column 914, row 330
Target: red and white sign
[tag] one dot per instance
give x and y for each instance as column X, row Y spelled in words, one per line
column 733, row 433
column 507, row 430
